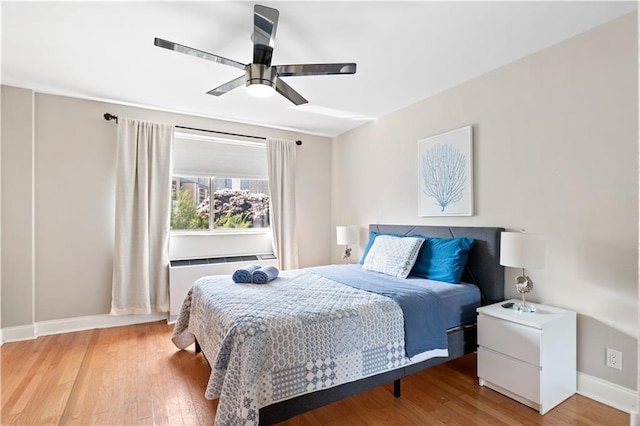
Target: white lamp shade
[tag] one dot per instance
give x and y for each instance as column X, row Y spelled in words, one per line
column 522, row 250
column 346, row 235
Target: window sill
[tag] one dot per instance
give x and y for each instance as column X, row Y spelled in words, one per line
column 220, row 233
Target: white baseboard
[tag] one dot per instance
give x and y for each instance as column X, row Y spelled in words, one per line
column 69, row 325
column 18, row 333
column 608, row 393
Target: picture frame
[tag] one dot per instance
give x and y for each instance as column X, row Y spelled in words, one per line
column 445, row 165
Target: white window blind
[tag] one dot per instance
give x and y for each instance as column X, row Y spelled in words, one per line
column 196, row 155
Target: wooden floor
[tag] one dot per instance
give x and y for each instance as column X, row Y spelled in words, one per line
column 134, row 375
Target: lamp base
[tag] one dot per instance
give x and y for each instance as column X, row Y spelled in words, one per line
column 346, row 255
column 524, row 307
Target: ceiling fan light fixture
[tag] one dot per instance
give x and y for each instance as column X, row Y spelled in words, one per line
column 260, row 80
column 260, row 90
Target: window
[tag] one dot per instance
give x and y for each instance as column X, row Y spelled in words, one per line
column 237, row 203
column 218, row 184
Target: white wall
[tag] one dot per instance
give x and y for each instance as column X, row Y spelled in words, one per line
column 17, row 207
column 556, row 152
column 63, row 175
column 1, row 339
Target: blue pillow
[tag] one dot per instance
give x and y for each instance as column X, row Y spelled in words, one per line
column 372, row 238
column 442, row 259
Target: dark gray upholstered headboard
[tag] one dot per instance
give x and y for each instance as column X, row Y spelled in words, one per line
column 483, row 267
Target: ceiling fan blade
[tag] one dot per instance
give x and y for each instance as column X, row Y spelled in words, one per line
column 287, row 91
column 197, row 53
column 228, row 86
column 265, row 24
column 315, row 69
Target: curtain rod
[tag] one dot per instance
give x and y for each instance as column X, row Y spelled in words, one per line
column 109, row 117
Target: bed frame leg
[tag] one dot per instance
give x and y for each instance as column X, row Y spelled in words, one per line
column 396, row 388
column 198, row 348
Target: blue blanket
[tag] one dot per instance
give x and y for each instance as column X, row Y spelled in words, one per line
column 265, row 274
column 422, row 309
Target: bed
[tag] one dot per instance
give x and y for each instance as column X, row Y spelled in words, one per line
column 265, row 367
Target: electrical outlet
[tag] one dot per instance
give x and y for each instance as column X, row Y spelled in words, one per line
column 613, row 358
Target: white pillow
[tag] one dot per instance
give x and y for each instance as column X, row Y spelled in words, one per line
column 393, row 256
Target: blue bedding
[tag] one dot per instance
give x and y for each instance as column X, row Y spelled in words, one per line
column 460, row 300
column 423, row 311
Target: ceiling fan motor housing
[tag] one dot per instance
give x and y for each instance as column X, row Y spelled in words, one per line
column 261, row 74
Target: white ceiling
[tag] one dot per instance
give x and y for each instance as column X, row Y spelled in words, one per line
column 404, row 52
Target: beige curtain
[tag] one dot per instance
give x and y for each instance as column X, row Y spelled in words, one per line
column 281, row 161
column 143, row 206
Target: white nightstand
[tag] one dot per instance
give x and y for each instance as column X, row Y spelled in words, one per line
column 530, row 357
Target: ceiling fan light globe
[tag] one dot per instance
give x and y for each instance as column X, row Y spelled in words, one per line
column 260, row 80
column 260, row 90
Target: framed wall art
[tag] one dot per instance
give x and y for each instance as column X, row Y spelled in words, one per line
column 445, row 165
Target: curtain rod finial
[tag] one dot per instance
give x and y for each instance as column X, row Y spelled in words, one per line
column 108, row 116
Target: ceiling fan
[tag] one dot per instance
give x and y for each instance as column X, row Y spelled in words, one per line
column 261, row 78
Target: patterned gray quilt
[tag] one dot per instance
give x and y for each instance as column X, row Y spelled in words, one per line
column 297, row 334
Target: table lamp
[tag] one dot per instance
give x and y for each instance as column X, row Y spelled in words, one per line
column 522, row 250
column 346, row 235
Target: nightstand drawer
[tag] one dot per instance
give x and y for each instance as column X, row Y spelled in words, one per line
column 515, row 340
column 514, row 375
